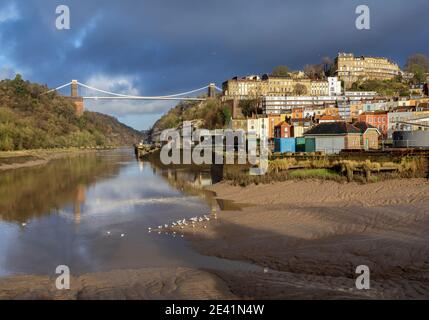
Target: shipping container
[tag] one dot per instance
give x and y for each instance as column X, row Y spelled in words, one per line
column 284, row 145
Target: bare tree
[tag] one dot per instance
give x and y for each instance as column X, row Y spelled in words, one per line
column 281, row 71
column 418, row 59
column 300, row 89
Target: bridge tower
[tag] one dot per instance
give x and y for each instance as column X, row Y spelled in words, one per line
column 212, row 90
column 77, row 100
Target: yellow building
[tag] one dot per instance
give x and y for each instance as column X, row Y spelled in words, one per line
column 319, row 88
column 351, row 69
column 255, row 87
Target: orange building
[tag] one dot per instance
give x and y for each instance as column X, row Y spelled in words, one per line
column 297, row 113
column 273, row 121
column 283, row 130
column 377, row 119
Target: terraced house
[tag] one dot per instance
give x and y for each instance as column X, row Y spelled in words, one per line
column 351, row 69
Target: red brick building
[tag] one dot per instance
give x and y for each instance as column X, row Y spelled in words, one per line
column 283, row 130
column 377, row 119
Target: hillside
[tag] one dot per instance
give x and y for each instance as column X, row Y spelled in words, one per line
column 30, row 119
column 211, row 112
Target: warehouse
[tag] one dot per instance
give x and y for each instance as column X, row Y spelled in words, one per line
column 411, row 139
column 332, row 137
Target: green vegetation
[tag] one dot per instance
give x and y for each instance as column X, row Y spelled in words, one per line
column 394, row 87
column 418, row 64
column 30, row 119
column 326, row 174
column 211, row 113
column 331, row 168
column 280, row 71
column 249, row 107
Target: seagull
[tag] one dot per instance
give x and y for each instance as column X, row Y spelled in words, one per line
column 108, row 232
column 150, row 229
column 174, row 224
column 23, row 224
column 122, row 235
column 159, row 227
column 166, row 225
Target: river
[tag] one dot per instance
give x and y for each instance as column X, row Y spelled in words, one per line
column 92, row 212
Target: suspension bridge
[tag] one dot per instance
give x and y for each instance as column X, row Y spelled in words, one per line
column 78, row 99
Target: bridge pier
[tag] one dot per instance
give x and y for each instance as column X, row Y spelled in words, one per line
column 212, row 91
column 76, row 99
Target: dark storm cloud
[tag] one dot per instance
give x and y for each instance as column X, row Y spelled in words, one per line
column 169, row 46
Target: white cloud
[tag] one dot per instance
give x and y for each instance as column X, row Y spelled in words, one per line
column 9, row 13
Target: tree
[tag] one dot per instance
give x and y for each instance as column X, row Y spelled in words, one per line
column 419, row 73
column 226, row 115
column 418, row 65
column 328, row 67
column 280, row 71
column 249, row 107
column 417, row 59
column 314, row 71
column 299, row 89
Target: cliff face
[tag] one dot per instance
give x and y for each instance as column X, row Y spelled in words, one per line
column 31, row 119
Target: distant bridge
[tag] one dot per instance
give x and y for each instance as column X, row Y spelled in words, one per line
column 78, row 100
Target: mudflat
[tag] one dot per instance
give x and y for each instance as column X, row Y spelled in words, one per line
column 309, row 237
column 141, row 284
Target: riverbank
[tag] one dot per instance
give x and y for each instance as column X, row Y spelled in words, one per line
column 141, row 284
column 10, row 160
column 311, row 235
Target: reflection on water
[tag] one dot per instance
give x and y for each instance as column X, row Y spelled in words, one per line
column 91, row 212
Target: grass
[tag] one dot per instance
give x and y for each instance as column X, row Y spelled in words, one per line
column 326, row 174
column 337, row 169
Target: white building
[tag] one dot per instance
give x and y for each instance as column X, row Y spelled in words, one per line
column 360, row 95
column 334, row 86
column 284, row 104
column 258, row 126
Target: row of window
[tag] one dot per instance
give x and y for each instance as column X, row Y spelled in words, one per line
column 376, row 120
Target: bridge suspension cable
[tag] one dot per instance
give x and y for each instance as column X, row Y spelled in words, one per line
column 177, row 96
column 59, row 88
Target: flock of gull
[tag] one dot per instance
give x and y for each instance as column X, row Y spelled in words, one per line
column 184, row 223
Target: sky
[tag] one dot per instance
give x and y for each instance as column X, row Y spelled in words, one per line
column 162, row 47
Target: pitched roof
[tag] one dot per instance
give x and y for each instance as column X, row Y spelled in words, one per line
column 282, row 124
column 363, row 126
column 332, row 128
